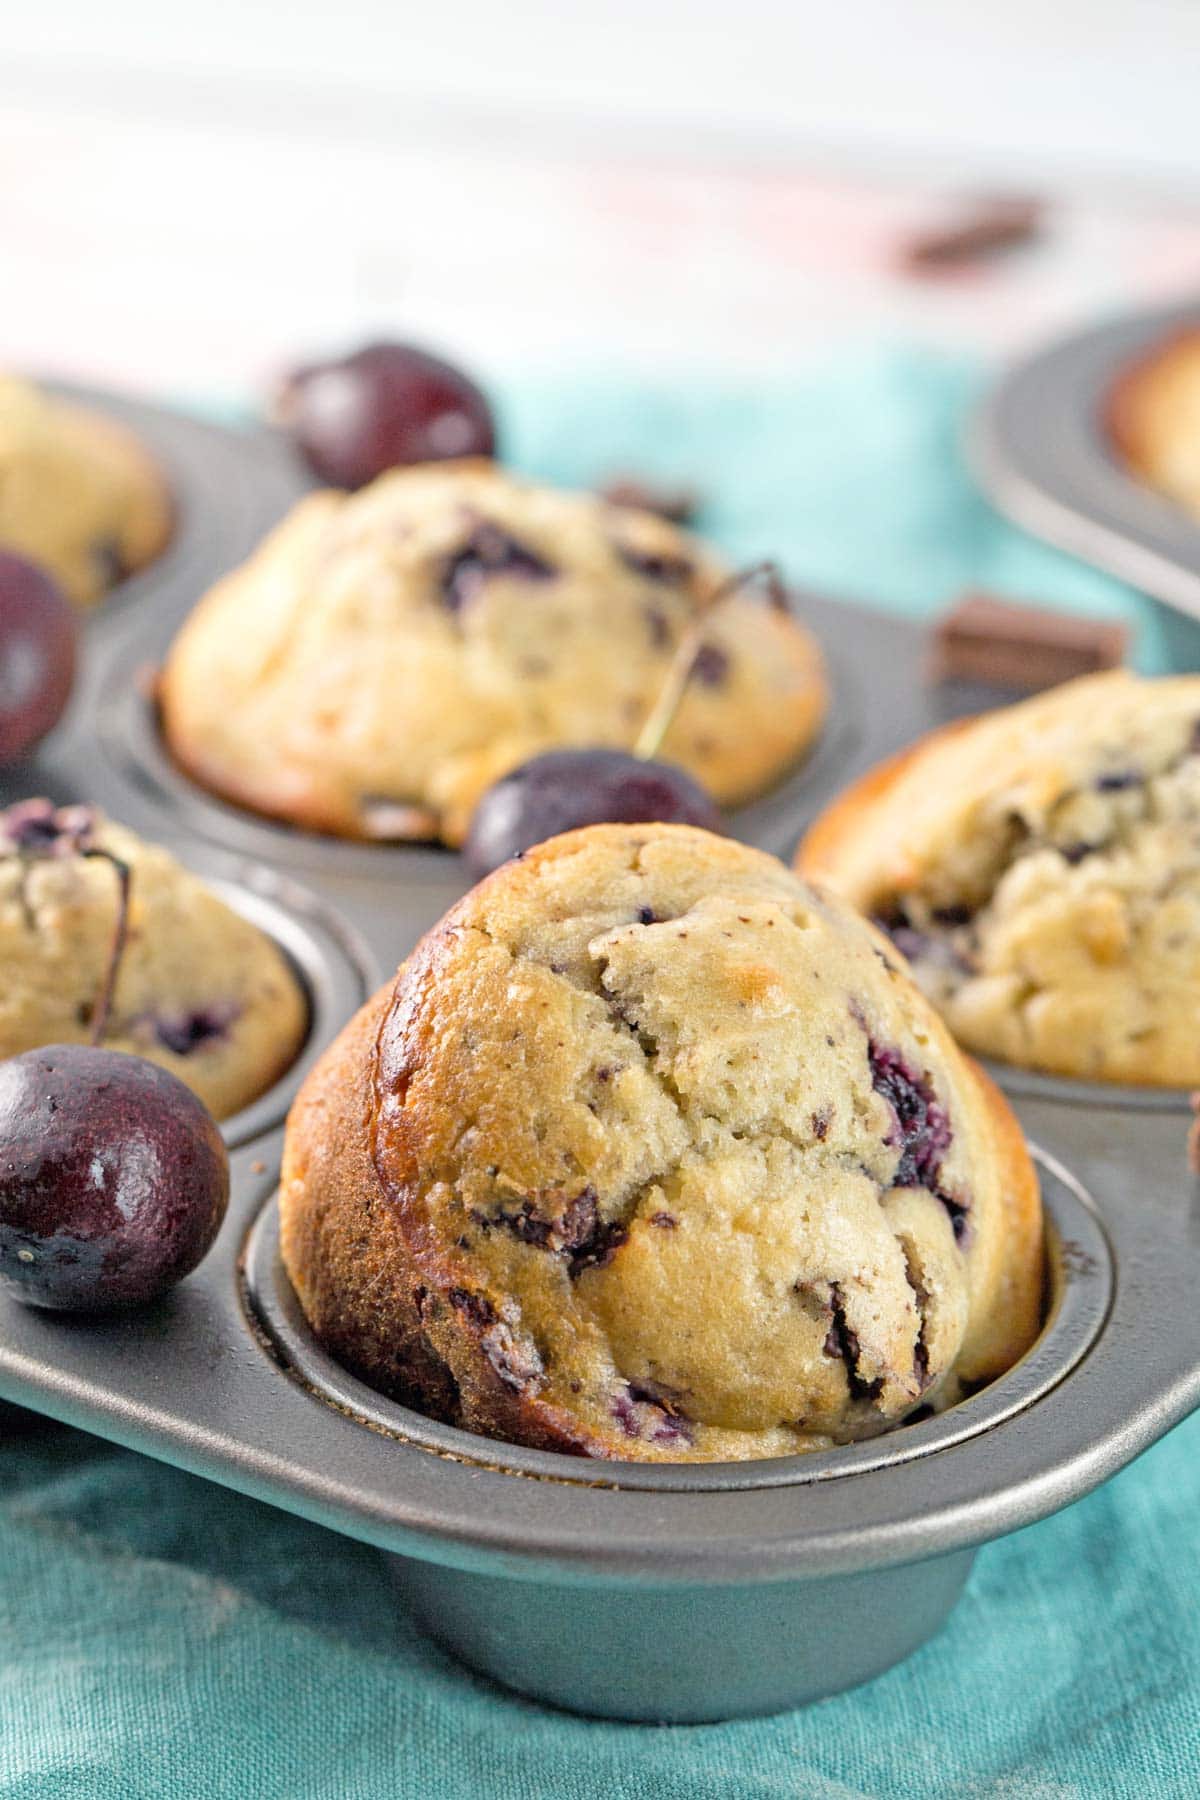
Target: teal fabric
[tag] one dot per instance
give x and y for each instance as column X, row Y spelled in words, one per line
column 161, row 1637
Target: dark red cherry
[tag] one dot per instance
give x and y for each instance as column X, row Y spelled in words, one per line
column 38, row 636
column 386, row 405
column 563, row 789
column 114, row 1179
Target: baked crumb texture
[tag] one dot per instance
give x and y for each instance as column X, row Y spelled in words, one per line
column 1040, row 869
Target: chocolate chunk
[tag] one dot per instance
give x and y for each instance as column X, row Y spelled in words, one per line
column 842, row 1342
column 678, row 505
column 598, row 1248
column 710, row 665
column 674, row 571
column 1118, row 779
column 525, row 1222
column 1003, row 644
column 476, row 1307
column 184, row 1032
column 987, row 226
column 659, row 627
column 515, row 1359
column 38, row 828
column 647, row 1410
column 922, row 1128
column 577, row 1233
column 487, row 552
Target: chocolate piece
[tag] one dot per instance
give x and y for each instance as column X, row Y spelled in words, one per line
column 986, row 227
column 678, row 505
column 488, row 551
column 673, row 571
column 922, row 1131
column 183, row 1033
column 995, row 641
column 711, row 665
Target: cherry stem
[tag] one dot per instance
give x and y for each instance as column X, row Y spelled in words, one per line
column 661, row 716
column 116, row 950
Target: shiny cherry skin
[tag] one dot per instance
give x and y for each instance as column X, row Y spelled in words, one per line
column 39, row 634
column 563, row 789
column 114, row 1179
column 386, row 405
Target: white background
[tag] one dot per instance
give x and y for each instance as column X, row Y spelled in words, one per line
column 189, row 193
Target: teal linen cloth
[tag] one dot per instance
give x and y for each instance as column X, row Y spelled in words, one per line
column 161, row 1637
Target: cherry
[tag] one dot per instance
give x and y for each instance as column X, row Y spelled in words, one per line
column 563, row 789
column 38, row 636
column 386, row 405
column 114, row 1179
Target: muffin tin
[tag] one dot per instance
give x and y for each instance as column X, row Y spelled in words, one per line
column 1038, row 447
column 633, row 1591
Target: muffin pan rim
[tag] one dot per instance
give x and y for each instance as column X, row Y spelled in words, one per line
column 1076, row 1312
column 221, row 1408
column 1037, row 448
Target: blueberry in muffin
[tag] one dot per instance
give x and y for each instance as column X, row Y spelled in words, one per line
column 194, row 986
column 1153, row 417
column 1040, row 869
column 79, row 495
column 653, row 1152
column 387, row 655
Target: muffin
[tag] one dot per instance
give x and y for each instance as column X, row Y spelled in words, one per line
column 386, row 655
column 1040, row 869
column 78, row 493
column 651, row 1152
column 198, row 988
column 1153, row 417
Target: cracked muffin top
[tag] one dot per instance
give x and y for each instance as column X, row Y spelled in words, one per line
column 1153, row 417
column 1040, row 868
column 653, row 1152
column 78, row 493
column 387, row 655
column 197, row 988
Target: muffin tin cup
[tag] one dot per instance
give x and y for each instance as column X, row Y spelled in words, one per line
column 679, row 1592
column 1039, row 449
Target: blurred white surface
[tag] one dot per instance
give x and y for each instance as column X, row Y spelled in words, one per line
column 1102, row 85
column 188, row 196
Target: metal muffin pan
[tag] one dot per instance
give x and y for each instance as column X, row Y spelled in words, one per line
column 1038, row 448
column 680, row 1592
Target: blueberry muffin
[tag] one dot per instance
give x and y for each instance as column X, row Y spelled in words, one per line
column 1154, row 417
column 78, row 494
column 388, row 654
column 1040, row 869
column 652, row 1152
column 198, row 988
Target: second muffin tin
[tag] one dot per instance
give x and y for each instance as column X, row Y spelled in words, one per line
column 636, row 1591
column 1039, row 448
